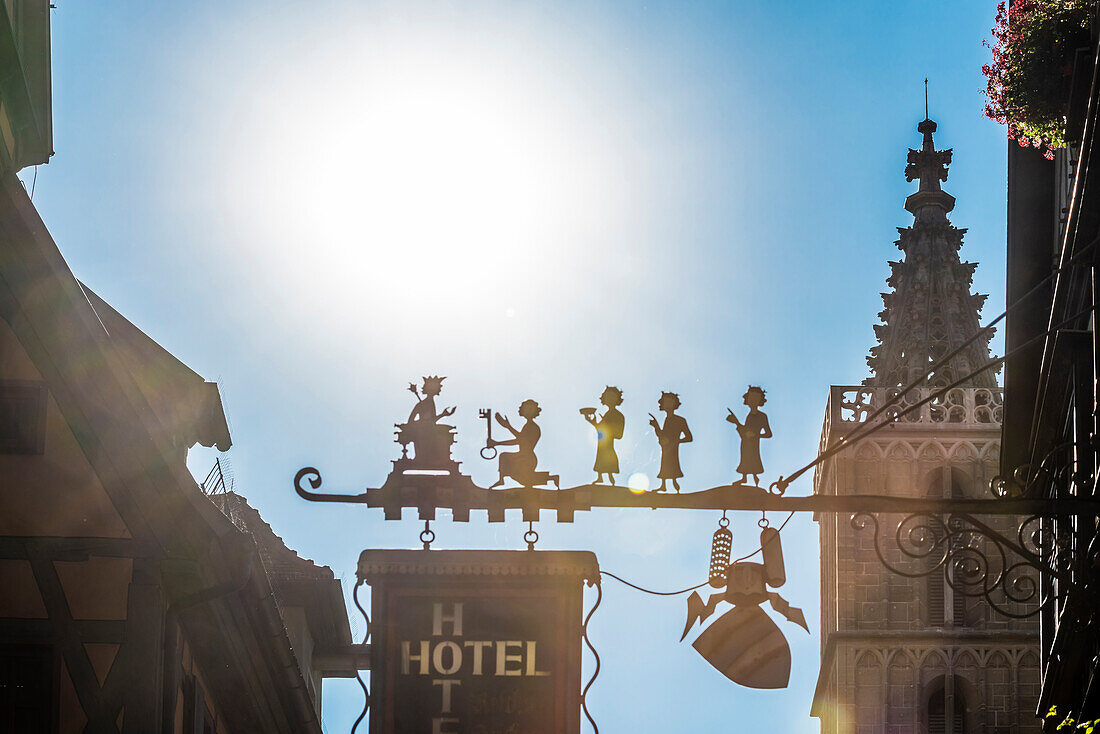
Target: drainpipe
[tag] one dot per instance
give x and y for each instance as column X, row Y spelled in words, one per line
column 292, row 672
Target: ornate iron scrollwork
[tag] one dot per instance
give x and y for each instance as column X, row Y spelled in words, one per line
column 1055, row 468
column 977, row 560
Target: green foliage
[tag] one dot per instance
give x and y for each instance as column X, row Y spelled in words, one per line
column 1071, row 724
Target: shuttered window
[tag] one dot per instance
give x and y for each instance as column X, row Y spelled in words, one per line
column 958, row 609
column 944, row 482
column 937, row 592
column 938, row 705
column 936, row 585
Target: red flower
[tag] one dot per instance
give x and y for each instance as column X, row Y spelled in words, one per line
column 1032, row 46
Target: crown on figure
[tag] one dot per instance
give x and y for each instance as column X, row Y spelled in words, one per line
column 433, row 381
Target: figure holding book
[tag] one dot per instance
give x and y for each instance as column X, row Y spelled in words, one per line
column 674, row 432
column 754, row 428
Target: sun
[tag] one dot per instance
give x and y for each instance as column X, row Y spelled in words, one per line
column 423, row 175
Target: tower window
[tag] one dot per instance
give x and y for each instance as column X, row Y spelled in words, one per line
column 947, row 483
column 936, row 586
column 947, row 698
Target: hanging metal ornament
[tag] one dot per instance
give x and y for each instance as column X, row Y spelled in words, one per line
column 771, row 551
column 720, row 546
column 744, row 644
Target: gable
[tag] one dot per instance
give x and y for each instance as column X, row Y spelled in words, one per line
column 56, row 492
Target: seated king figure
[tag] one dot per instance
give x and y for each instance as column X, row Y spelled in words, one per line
column 431, row 439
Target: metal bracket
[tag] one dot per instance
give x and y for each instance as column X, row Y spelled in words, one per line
column 979, row 561
column 459, row 494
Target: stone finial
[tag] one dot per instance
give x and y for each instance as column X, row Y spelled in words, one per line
column 929, row 166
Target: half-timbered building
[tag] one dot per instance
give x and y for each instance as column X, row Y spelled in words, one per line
column 130, row 600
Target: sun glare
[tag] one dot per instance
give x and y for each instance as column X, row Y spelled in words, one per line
column 416, row 168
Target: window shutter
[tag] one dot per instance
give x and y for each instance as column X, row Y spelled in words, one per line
column 958, row 609
column 935, row 599
column 937, row 719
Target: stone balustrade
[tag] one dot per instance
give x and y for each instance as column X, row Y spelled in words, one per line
column 977, row 407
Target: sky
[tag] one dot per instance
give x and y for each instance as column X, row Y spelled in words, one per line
column 314, row 204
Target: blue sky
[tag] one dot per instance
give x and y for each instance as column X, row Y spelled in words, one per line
column 316, row 203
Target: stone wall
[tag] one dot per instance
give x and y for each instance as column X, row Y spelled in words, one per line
column 909, row 655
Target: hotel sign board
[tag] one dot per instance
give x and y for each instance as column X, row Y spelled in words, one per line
column 476, row 642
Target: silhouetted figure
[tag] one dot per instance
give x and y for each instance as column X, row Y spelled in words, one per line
column 424, row 410
column 520, row 464
column 751, row 431
column 674, row 432
column 609, row 427
column 431, row 439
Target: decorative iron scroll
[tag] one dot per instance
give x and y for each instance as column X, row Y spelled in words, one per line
column 1054, row 469
column 976, row 560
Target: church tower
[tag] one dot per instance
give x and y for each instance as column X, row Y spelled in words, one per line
column 905, row 655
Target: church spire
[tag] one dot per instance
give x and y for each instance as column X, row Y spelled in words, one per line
column 930, row 310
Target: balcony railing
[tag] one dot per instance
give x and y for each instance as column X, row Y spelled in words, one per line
column 976, row 407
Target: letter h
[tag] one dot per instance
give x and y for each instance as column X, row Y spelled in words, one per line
column 455, row 618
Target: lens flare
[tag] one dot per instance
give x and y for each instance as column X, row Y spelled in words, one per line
column 638, row 483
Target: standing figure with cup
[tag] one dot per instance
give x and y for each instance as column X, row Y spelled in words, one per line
column 609, row 428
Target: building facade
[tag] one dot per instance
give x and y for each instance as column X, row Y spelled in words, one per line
column 1052, row 400
column 921, row 651
column 26, row 110
column 130, row 600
